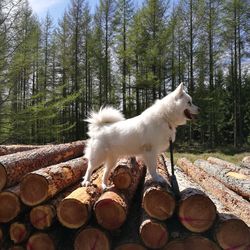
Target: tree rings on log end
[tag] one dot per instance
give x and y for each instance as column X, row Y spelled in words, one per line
column 110, row 210
column 197, row 213
column 41, row 217
column 40, row 241
column 130, row 246
column 72, row 213
column 122, row 179
column 91, row 238
column 34, row 189
column 3, row 177
column 18, row 232
column 158, row 204
column 10, row 206
column 233, row 234
column 153, row 234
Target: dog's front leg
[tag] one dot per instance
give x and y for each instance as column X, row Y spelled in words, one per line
column 150, row 160
column 109, row 164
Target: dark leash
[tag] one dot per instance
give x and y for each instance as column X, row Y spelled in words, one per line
column 173, row 179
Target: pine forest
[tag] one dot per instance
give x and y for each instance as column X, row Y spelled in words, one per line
column 54, row 72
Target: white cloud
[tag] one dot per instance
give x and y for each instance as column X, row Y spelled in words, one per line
column 40, row 6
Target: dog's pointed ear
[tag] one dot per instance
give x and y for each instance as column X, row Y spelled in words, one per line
column 179, row 91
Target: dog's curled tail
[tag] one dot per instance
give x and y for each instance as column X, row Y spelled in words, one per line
column 105, row 116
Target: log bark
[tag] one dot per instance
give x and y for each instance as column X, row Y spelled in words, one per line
column 122, row 175
column 75, row 209
column 14, row 167
column 231, row 232
column 39, row 241
column 111, row 208
column 43, row 216
column 238, row 183
column 154, row 233
column 11, row 205
column 11, row 149
column 92, row 238
column 227, row 197
column 229, row 165
column 19, row 232
column 196, row 210
column 160, row 194
column 196, row 242
column 43, row 184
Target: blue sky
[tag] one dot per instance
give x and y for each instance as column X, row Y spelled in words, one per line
column 56, row 8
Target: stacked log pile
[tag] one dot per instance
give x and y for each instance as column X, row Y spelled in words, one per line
column 44, row 206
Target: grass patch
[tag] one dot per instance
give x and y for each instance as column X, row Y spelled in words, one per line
column 194, row 153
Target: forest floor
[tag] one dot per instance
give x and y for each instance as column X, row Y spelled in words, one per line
column 225, row 153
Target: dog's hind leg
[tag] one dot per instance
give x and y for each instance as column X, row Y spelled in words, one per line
column 109, row 164
column 150, row 161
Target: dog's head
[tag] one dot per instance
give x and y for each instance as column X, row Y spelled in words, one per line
column 183, row 106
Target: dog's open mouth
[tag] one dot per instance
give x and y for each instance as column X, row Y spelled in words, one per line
column 189, row 115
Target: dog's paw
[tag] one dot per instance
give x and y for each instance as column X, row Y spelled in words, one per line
column 159, row 179
column 85, row 183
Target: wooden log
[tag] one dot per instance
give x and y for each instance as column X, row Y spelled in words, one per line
column 160, row 194
column 184, row 182
column 19, row 231
column 231, row 233
column 92, row 238
column 41, row 185
column 196, row 210
column 195, row 242
column 17, row 247
column 111, row 208
column 128, row 237
column 229, row 165
column 13, row 167
column 1, row 235
column 40, row 241
column 154, row 233
column 11, row 149
column 227, row 197
column 75, row 209
column 11, row 205
column 239, row 185
column 122, row 174
column 43, row 216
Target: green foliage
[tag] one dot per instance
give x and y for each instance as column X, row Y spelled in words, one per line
column 52, row 76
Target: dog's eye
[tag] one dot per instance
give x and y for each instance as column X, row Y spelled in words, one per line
column 189, row 103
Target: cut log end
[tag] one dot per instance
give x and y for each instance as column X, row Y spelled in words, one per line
column 3, row 177
column 18, row 232
column 110, row 210
column 10, row 206
column 200, row 242
column 122, row 179
column 91, row 238
column 41, row 217
column 197, row 213
column 34, row 189
column 233, row 234
column 72, row 213
column 165, row 204
column 40, row 241
column 175, row 245
column 153, row 234
column 130, row 246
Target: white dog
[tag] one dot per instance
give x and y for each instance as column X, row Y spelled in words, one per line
column 146, row 135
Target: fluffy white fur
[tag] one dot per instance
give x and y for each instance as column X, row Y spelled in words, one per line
column 146, row 135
